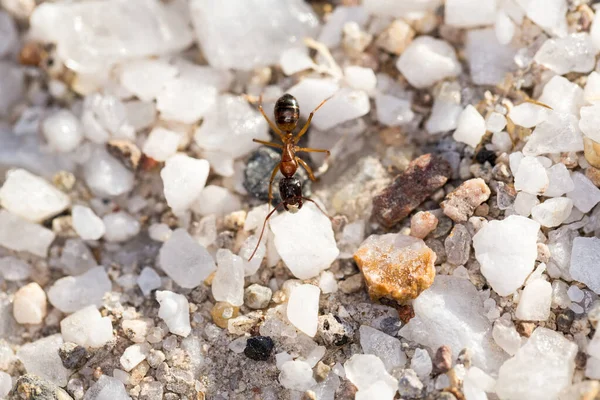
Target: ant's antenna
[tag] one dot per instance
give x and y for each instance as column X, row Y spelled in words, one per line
column 263, row 229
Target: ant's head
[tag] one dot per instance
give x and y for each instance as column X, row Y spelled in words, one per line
column 287, row 113
column 290, row 190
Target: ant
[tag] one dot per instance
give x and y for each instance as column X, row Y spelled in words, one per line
column 287, row 114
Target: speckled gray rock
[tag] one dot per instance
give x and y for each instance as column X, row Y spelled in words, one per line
column 32, row 387
column 458, row 245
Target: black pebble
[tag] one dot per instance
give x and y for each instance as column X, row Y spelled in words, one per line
column 258, row 172
column 259, row 348
column 486, row 155
column 564, row 320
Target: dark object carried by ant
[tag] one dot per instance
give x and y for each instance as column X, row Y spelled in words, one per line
column 287, row 114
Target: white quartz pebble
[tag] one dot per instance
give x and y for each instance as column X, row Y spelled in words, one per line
column 161, row 144
column 29, row 304
column 590, row 122
column 106, row 176
column 305, row 241
column 174, row 310
column 63, row 131
column 585, row 194
column 540, row 369
column 558, row 133
column 216, row 200
column 303, row 308
column 296, row 375
column 495, row 122
column 585, row 257
column 31, row 197
column 41, row 358
column 133, row 355
column 296, row 59
column 506, row 336
column 560, row 181
column 528, row 114
column 148, row 280
column 229, row 127
column 183, row 178
column 562, row 95
column 535, row 301
column 228, row 282
column 14, row 269
column 19, row 234
column 470, row 13
column 107, row 388
column 393, row 111
column 552, row 212
column 120, row 226
column 591, row 91
column 360, row 78
column 428, row 60
column 184, row 260
column 386, row 347
column 573, row 53
column 507, row 251
column 363, row 370
column 471, row 127
column 146, row 78
column 86, row 223
column 270, row 27
column 524, row 202
column 531, row 176
column 87, row 327
column 550, row 15
column 184, row 99
column 72, row 293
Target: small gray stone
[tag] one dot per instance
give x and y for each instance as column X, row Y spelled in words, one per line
column 72, row 355
column 409, row 384
column 32, row 387
column 151, row 391
column 257, row 296
column 333, row 330
column 458, row 245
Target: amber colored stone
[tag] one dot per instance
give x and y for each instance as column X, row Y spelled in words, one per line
column 222, row 312
column 395, row 266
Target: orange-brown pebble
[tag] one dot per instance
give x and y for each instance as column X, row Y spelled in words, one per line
column 395, row 266
column 222, row 312
column 593, row 175
column 422, row 223
column 591, row 150
column 462, row 202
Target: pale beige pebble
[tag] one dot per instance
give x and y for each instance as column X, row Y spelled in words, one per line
column 422, row 223
column 351, row 284
column 30, row 304
column 396, row 37
column 462, row 202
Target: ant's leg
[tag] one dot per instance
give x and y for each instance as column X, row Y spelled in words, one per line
column 307, row 168
column 307, row 124
column 271, row 183
column 270, row 144
column 311, row 150
column 271, row 124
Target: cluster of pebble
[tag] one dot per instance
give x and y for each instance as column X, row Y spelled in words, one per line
column 462, row 259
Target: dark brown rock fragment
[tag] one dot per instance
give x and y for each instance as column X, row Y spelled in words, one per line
column 421, row 179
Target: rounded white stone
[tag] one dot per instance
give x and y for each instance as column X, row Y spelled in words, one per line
column 161, row 144
column 471, row 127
column 29, row 305
column 120, row 226
column 552, row 212
column 428, row 60
column 303, row 308
column 86, row 223
column 183, row 178
column 63, row 131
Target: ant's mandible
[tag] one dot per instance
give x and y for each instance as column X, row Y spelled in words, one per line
column 287, row 114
